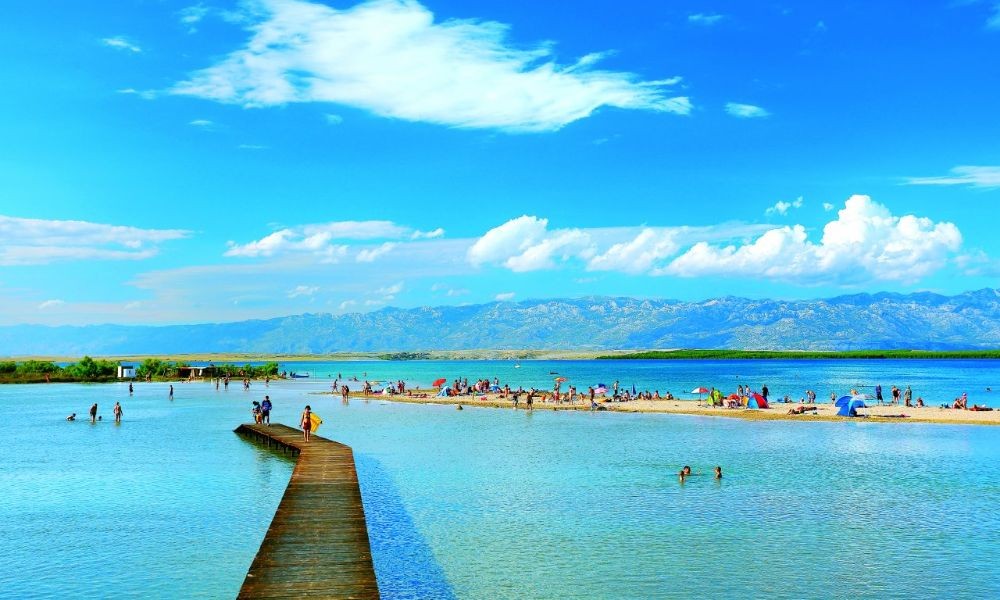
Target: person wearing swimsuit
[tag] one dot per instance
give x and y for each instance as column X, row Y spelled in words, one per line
column 306, row 423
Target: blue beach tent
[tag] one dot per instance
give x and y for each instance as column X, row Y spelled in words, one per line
column 757, row 401
column 849, row 406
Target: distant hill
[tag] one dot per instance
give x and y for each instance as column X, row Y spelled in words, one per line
column 863, row 321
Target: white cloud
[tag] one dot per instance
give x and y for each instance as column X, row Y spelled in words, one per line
column 978, row 264
column 705, row 19
column 994, row 21
column 389, row 292
column 39, row 241
column 192, row 15
column 427, row 235
column 318, row 238
column 781, row 207
column 302, row 290
column 50, row 304
column 251, row 147
column 460, row 73
column 144, row 94
column 507, row 240
column 372, row 254
column 866, row 242
column 121, row 43
column 332, row 119
column 638, row 255
column 457, row 292
column 205, row 123
column 527, row 244
column 346, row 304
column 828, row 207
column 981, row 177
column 505, row 296
column 746, row 111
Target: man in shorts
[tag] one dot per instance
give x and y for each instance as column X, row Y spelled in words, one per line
column 265, row 410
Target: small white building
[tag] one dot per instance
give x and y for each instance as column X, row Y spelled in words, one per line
column 126, row 371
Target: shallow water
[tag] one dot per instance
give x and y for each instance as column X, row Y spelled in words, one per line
column 486, row 503
column 937, row 381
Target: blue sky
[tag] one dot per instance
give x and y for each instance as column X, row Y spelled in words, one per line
column 172, row 162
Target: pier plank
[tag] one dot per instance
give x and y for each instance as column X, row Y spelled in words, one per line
column 317, row 544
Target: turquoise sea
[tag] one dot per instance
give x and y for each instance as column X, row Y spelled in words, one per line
column 488, row 503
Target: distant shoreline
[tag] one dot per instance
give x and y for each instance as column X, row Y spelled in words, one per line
column 458, row 355
column 804, row 355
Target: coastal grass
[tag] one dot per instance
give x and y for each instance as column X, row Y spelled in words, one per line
column 803, row 354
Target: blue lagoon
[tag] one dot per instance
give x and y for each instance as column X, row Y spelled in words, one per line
column 489, row 503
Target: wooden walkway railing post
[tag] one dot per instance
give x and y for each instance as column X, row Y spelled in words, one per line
column 317, row 544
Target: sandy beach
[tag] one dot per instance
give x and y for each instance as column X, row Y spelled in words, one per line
column 777, row 411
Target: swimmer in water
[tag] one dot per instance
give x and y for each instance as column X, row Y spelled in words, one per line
column 718, row 472
column 72, row 417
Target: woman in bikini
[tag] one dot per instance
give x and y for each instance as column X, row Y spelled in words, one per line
column 306, row 423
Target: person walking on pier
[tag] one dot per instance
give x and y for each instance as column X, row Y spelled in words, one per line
column 306, row 423
column 265, row 410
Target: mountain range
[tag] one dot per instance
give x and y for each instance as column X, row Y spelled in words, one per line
column 924, row 320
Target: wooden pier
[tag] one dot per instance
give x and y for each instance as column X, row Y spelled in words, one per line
column 317, row 543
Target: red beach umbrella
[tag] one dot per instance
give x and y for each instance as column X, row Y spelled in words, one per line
column 699, row 391
column 439, row 382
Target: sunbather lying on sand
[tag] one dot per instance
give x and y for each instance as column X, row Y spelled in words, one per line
column 801, row 410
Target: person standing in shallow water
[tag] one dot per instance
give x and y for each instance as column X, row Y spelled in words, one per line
column 118, row 412
column 171, row 391
column 93, row 413
column 306, row 423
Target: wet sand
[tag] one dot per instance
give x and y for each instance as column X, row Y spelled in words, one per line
column 779, row 411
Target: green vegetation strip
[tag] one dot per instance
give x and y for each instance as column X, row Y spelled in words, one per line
column 801, row 355
column 88, row 369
